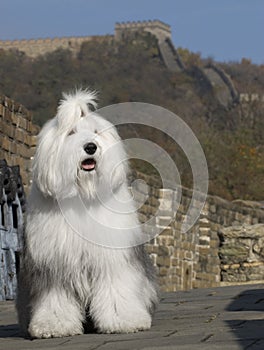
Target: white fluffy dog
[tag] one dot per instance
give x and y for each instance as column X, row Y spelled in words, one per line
column 71, row 277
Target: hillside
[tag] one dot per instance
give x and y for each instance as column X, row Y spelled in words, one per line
column 132, row 70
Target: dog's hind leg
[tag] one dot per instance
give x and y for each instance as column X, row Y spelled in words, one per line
column 55, row 314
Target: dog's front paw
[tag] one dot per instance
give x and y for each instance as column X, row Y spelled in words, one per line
column 124, row 325
column 48, row 329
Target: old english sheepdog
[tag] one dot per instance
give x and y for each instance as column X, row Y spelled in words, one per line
column 81, row 263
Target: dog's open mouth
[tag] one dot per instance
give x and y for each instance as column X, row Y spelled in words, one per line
column 88, row 164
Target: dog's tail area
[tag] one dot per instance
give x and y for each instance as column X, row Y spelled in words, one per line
column 74, row 106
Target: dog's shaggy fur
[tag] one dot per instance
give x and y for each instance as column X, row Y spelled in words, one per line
column 66, row 280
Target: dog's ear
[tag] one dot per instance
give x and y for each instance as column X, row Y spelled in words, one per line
column 44, row 160
column 49, row 171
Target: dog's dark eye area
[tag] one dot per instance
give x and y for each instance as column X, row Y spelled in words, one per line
column 91, row 107
column 71, row 132
column 95, row 131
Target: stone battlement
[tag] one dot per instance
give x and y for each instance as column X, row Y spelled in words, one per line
column 144, row 24
column 159, row 29
column 36, row 47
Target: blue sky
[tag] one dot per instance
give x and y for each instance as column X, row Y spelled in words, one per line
column 226, row 30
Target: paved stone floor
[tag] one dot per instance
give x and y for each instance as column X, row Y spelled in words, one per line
column 219, row 318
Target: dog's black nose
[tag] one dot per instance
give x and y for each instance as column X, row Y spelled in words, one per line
column 90, row 148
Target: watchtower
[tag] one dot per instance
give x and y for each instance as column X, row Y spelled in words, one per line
column 161, row 30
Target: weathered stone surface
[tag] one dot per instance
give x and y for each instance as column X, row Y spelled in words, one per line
column 244, row 231
column 242, row 253
column 233, row 253
column 250, row 204
column 220, row 318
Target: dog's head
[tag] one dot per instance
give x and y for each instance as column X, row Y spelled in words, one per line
column 78, row 151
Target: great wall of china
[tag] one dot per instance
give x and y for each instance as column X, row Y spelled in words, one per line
column 36, row 47
column 217, row 79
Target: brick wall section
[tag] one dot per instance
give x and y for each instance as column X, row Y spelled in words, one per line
column 192, row 259
column 17, row 137
column 242, row 253
column 35, row 47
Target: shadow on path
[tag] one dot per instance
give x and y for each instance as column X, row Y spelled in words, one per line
column 10, row 331
column 248, row 328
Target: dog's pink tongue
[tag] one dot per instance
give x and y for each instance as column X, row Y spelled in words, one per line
column 88, row 166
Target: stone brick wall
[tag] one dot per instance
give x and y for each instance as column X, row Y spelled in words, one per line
column 17, row 137
column 242, row 253
column 36, row 47
column 159, row 29
column 195, row 259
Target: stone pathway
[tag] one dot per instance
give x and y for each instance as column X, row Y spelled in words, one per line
column 226, row 318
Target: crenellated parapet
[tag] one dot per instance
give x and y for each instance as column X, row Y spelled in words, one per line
column 36, row 47
column 160, row 29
